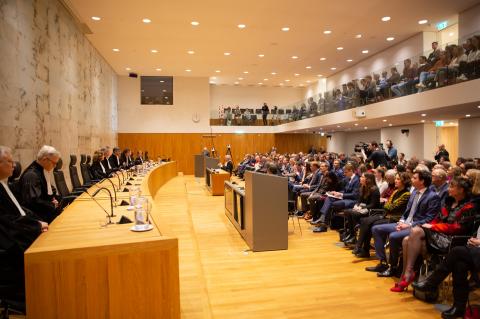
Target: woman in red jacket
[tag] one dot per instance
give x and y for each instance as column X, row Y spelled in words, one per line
column 456, row 218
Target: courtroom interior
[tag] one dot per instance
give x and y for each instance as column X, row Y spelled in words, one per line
column 239, row 159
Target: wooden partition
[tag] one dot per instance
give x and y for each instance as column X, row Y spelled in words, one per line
column 181, row 147
column 79, row 269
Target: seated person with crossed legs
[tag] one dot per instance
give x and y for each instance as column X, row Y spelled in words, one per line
column 422, row 207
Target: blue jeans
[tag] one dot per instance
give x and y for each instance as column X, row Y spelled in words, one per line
column 335, row 203
column 399, row 89
column 380, row 234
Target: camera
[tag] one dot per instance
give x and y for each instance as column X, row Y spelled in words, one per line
column 358, row 147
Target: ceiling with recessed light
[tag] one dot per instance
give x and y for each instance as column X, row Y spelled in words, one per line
column 272, row 40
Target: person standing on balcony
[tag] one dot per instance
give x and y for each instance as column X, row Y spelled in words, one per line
column 265, row 113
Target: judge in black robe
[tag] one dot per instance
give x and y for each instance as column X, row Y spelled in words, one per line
column 114, row 159
column 98, row 169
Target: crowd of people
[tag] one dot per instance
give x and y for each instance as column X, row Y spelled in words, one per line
column 30, row 204
column 454, row 64
column 417, row 206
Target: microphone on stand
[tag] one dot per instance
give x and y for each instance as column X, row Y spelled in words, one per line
column 109, row 216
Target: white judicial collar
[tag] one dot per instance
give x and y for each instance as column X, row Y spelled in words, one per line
column 12, row 197
column 103, row 168
column 48, row 176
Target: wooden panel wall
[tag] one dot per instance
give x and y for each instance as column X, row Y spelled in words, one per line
column 449, row 136
column 182, row 146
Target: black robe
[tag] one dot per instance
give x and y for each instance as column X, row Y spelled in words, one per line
column 114, row 162
column 34, row 193
column 97, row 171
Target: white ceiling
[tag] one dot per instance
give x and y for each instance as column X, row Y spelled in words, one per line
column 172, row 34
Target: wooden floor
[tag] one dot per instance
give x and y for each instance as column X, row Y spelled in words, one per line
column 315, row 277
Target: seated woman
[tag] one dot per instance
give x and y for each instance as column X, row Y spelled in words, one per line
column 97, row 169
column 390, row 179
column 380, row 179
column 456, row 218
column 369, row 199
column 394, row 208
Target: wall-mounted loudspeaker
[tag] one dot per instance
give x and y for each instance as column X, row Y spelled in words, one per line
column 133, row 75
column 360, row 113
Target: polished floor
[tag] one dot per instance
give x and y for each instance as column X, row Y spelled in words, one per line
column 315, row 277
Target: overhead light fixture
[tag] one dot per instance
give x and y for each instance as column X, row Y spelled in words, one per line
column 340, row 48
column 241, row 26
column 158, row 69
column 128, row 69
column 116, row 50
column 188, row 70
column 281, row 84
column 423, row 114
column 365, row 51
column 323, row 59
column 146, row 20
column 390, row 38
column 308, row 81
column 260, row 83
column 246, row 72
column 273, row 73
column 338, row 126
column 478, row 106
column 384, row 120
column 237, row 82
column 468, row 115
column 217, row 71
column 319, row 75
column 349, row 60
column 96, row 18
column 356, row 124
column 385, row 19
column 451, row 34
column 285, row 29
column 308, row 67
column 424, row 21
column 191, row 52
column 154, row 51
column 390, row 124
column 287, row 80
column 195, row 23
column 358, row 36
column 296, row 74
column 213, row 77
column 240, row 79
column 261, row 55
column 327, row 32
column 226, row 53
column 265, row 79
column 423, row 121
column 333, row 69
column 366, row 127
column 294, row 57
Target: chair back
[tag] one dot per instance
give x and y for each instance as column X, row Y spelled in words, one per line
column 89, row 159
column 74, row 172
column 85, row 170
column 60, row 181
column 13, row 180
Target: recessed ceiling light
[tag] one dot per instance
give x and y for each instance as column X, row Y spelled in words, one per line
column 261, row 55
column 116, row 50
column 349, row 60
column 478, row 106
column 390, row 38
column 365, row 51
column 240, row 79
column 294, row 57
column 162, row 81
column 213, row 77
column 356, row 124
column 468, row 115
column 327, row 32
column 340, row 48
column 424, row 21
column 217, row 71
column 246, row 72
column 273, row 73
column 323, row 59
column 423, row 121
column 226, row 53
column 423, row 114
column 237, row 82
column 319, row 75
column 451, row 34
column 191, row 52
column 146, row 20
column 385, row 19
column 384, row 120
column 96, row 18
column 285, row 29
column 366, row 127
column 358, row 36
column 338, row 126
column 188, row 70
column 333, row 69
column 308, row 67
column 164, row 90
column 390, row 124
column 153, row 50
column 287, row 80
column 308, row 81
column 158, row 69
column 260, row 83
column 296, row 74
column 241, row 26
column 281, row 83
column 128, row 69
column 195, row 23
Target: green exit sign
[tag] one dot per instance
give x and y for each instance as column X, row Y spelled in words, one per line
column 442, row 25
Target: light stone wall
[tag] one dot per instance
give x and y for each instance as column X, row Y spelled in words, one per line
column 55, row 88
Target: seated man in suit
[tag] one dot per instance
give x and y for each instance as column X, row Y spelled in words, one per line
column 38, row 193
column 126, row 158
column 422, row 207
column 305, row 189
column 139, row 158
column 439, row 184
column 19, row 227
column 98, row 169
column 228, row 165
column 341, row 200
column 107, row 152
column 114, row 159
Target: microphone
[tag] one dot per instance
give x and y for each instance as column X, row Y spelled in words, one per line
column 109, row 217
column 113, row 185
column 109, row 194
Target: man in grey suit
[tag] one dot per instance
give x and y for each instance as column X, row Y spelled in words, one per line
column 306, row 189
column 423, row 206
